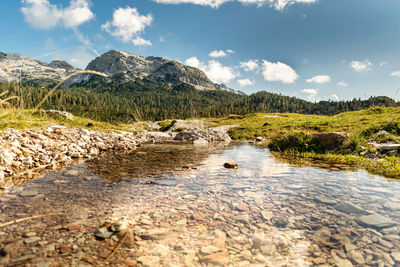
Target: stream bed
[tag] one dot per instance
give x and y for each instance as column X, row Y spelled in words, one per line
column 186, row 209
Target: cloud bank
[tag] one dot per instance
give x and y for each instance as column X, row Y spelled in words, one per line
column 41, row 14
column 127, row 25
column 215, row 71
column 320, row 79
column 278, row 72
column 279, row 5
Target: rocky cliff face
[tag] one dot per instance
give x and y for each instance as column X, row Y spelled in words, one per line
column 120, row 66
column 14, row 67
column 115, row 63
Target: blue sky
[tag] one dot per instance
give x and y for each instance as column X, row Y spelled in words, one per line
column 313, row 49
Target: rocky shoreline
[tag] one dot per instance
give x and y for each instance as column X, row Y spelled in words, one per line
column 23, row 152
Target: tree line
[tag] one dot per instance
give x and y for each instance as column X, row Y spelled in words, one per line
column 151, row 100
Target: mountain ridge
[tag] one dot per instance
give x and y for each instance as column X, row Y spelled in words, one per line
column 121, row 65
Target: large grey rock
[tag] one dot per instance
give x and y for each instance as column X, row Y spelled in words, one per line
column 210, row 135
column 179, row 125
column 377, row 221
column 386, row 147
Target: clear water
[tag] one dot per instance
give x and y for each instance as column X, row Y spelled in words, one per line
column 265, row 213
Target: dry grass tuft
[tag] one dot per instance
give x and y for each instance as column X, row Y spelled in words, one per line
column 63, row 80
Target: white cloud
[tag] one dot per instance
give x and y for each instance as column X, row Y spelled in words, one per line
column 361, row 66
column 245, row 82
column 335, row 97
column 139, row 41
column 214, row 70
column 221, row 53
column 320, row 79
column 342, row 83
column 382, row 63
column 41, row 14
column 251, row 65
column 194, row 62
column 278, row 72
column 277, row 4
column 312, row 93
column 219, row 73
column 218, row 53
column 77, row 13
column 395, row 74
column 127, row 24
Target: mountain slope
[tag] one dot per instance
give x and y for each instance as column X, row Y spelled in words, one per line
column 124, row 66
column 14, row 67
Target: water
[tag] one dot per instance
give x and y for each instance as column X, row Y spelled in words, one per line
column 188, row 210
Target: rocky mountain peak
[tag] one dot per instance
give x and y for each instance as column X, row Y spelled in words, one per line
column 155, row 68
column 15, row 67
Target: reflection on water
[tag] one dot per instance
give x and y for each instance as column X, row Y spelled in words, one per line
column 266, row 213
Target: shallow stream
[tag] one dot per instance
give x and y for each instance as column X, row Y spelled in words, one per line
column 188, row 210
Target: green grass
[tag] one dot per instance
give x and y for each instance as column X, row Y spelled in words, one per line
column 29, row 119
column 270, row 125
column 387, row 166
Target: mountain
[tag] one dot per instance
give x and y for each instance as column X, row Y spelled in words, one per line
column 124, row 66
column 15, row 67
column 119, row 65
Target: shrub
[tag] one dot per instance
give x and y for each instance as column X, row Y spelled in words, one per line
column 295, row 141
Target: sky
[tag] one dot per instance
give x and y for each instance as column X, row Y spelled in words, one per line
column 312, row 49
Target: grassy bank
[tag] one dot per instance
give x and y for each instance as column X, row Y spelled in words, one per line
column 290, row 135
column 270, row 125
column 29, row 119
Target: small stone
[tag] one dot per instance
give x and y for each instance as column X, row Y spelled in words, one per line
column 325, row 200
column 28, row 193
column 396, row 256
column 242, row 208
column 149, row 261
column 64, row 248
column 243, row 218
column 130, row 262
column 377, row 221
column 208, row 250
column 32, row 239
column 319, row 260
column 220, row 259
column 391, row 231
column 103, row 233
column 88, row 259
column 28, row 234
column 268, row 249
column 356, row 257
column 392, row 206
column 231, row 165
column 71, row 173
column 385, row 243
column 74, row 227
column 198, row 216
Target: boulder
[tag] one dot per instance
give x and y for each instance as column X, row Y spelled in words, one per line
column 179, row 125
column 376, row 221
column 209, row 135
column 331, row 140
